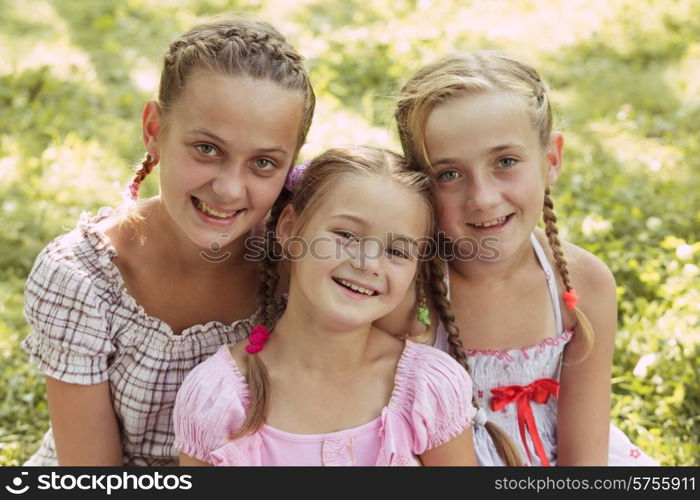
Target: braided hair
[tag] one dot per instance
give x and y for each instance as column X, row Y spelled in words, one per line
column 235, row 47
column 323, row 174
column 464, row 74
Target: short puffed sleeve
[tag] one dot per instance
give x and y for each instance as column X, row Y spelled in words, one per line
column 442, row 402
column 69, row 317
column 209, row 406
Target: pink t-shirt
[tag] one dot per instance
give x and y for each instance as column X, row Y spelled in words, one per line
column 429, row 405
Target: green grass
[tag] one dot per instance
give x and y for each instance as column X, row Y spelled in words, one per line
column 74, row 76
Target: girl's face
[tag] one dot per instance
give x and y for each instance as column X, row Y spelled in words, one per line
column 356, row 257
column 491, row 172
column 225, row 150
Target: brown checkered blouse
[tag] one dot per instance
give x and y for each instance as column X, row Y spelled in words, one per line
column 86, row 329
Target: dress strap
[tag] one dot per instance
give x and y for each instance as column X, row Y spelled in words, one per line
column 551, row 281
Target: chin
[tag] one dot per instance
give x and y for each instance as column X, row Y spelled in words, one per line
column 346, row 320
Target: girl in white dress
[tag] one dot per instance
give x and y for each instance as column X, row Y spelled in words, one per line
column 540, row 359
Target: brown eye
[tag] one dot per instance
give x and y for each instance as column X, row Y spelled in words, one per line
column 206, row 149
column 264, row 164
column 347, row 235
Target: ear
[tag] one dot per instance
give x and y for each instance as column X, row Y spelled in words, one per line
column 286, row 224
column 151, row 121
column 554, row 157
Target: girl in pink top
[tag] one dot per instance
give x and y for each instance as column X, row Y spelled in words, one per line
column 320, row 385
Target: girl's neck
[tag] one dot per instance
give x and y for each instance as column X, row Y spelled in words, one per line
column 308, row 343
column 495, row 273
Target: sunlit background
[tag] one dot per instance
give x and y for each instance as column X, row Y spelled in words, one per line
column 626, row 88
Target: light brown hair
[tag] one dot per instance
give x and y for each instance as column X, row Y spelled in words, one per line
column 323, row 174
column 234, row 47
column 466, row 74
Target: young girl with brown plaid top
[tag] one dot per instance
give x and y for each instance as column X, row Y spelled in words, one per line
column 124, row 306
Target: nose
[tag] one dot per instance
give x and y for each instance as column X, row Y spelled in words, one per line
column 482, row 192
column 230, row 182
column 368, row 255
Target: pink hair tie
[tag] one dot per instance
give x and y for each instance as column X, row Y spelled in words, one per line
column 294, row 176
column 133, row 190
column 570, row 298
column 256, row 340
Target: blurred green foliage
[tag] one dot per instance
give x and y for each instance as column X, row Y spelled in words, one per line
column 626, row 85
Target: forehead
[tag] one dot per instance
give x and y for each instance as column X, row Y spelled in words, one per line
column 477, row 122
column 384, row 205
column 225, row 101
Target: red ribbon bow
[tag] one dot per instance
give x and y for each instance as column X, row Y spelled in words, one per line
column 539, row 392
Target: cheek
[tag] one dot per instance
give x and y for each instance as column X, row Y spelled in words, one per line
column 264, row 192
column 402, row 278
column 322, row 249
column 182, row 176
column 449, row 213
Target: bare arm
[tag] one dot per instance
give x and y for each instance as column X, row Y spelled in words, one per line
column 84, row 424
column 458, row 451
column 584, row 400
column 188, row 461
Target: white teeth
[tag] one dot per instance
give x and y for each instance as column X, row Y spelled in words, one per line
column 210, row 211
column 355, row 287
column 490, row 223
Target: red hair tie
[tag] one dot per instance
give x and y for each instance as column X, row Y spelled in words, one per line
column 570, row 298
column 256, row 340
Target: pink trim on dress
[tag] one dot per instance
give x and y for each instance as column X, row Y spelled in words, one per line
column 507, row 356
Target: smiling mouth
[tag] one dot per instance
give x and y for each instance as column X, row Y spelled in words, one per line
column 498, row 221
column 356, row 288
column 212, row 212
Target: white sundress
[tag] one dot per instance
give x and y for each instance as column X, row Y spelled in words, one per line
column 536, row 366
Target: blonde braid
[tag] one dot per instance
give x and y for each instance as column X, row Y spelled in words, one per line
column 552, row 232
column 146, row 167
column 422, row 278
column 504, row 445
column 258, row 378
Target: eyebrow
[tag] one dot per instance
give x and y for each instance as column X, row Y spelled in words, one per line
column 363, row 223
column 220, row 140
column 495, row 149
column 351, row 217
column 502, row 147
column 403, row 237
column 208, row 134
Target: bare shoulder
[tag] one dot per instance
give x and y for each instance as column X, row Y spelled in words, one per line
column 592, row 278
column 126, row 229
column 590, row 275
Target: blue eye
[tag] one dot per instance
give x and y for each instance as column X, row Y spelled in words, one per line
column 508, row 162
column 206, row 149
column 448, row 175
